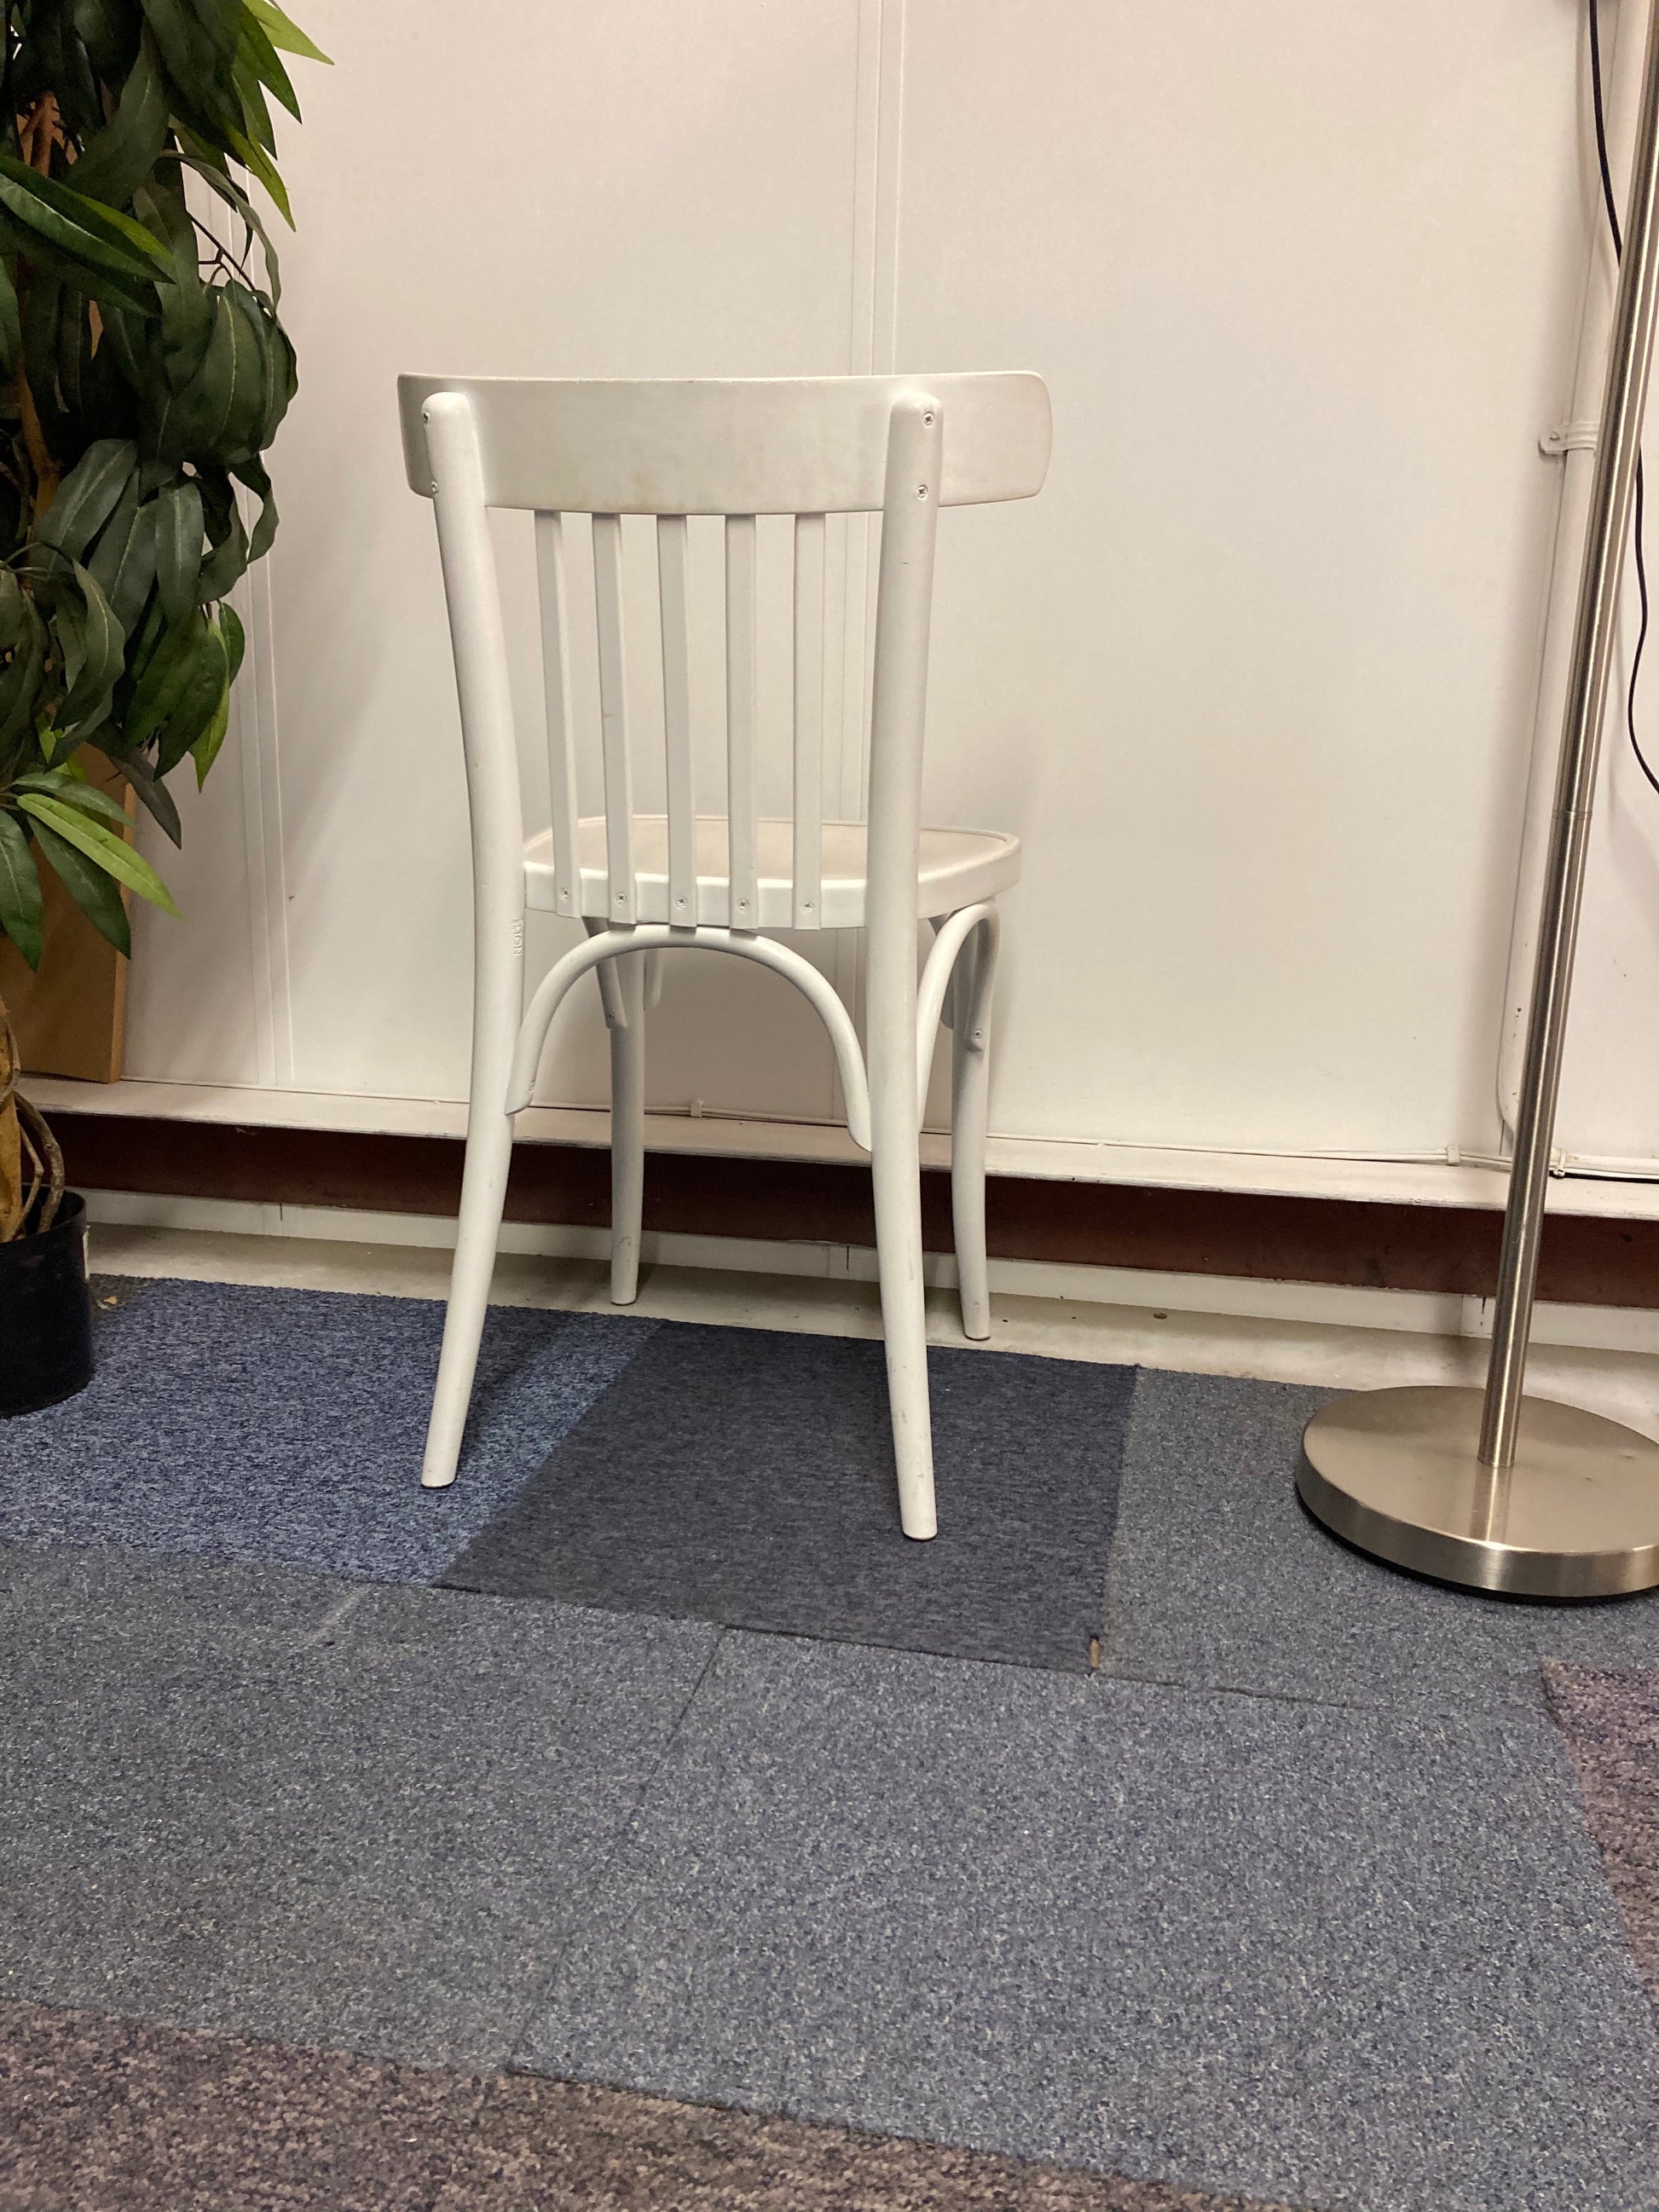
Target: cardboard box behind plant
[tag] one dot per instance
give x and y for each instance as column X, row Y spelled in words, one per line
column 70, row 1016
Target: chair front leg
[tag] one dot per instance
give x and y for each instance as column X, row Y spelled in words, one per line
column 484, row 1195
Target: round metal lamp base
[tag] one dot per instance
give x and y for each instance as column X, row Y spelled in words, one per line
column 1396, row 1472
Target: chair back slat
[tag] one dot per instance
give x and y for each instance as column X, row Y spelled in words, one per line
column 806, row 448
column 676, row 719
column 741, row 702
column 555, row 600
column 808, row 718
column 613, row 716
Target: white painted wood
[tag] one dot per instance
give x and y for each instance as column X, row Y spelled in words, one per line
column 955, row 868
column 626, row 1129
column 809, row 605
column 754, row 446
column 898, row 712
column 492, row 783
column 561, row 728
column 970, row 1091
column 741, row 676
column 613, row 718
column 608, row 945
column 682, row 883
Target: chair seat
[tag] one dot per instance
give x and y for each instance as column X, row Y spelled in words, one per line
column 956, row 868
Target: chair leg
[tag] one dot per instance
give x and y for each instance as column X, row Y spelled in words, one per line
column 970, row 1079
column 896, row 1168
column 627, row 1126
column 484, row 1193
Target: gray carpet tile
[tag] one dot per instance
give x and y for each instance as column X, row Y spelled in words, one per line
column 1220, row 1578
column 1610, row 1718
column 240, row 1423
column 746, row 1476
column 104, row 2115
column 1334, row 1957
column 341, row 1813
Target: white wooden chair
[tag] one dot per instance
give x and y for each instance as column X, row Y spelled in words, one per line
column 904, row 446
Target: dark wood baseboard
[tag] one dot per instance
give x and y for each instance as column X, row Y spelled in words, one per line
column 1587, row 1259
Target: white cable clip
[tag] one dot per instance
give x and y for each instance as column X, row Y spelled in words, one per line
column 1582, row 436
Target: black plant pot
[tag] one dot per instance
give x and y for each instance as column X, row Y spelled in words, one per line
column 46, row 1314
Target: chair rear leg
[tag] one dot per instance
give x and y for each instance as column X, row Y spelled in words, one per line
column 970, row 1079
column 627, row 1126
column 896, row 1168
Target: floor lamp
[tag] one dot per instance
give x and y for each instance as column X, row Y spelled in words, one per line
column 1491, row 1488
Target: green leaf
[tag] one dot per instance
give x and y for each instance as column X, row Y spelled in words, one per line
column 97, row 248
column 94, row 654
column 257, row 163
column 256, row 113
column 162, row 681
column 218, row 181
column 68, row 781
column 152, row 794
column 96, row 893
column 86, row 497
column 253, row 474
column 111, row 854
column 230, row 629
column 198, row 55
column 20, row 890
column 186, row 326
column 256, row 49
column 11, row 325
column 118, row 159
column 218, row 413
column 179, row 540
column 15, row 607
column 197, row 701
column 284, row 33
column 124, row 562
column 20, row 681
column 228, row 562
column 205, row 750
column 108, row 29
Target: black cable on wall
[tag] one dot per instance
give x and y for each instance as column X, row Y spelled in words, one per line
column 1609, row 202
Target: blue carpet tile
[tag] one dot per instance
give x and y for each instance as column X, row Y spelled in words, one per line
column 247, row 1424
column 746, row 1477
column 1220, row 1579
column 1326, row 1956
column 244, row 1799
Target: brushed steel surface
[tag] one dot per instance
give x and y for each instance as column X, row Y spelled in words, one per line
column 1399, row 1473
column 1629, row 353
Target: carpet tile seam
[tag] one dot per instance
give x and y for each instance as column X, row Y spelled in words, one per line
column 621, row 1829
column 1423, row 1710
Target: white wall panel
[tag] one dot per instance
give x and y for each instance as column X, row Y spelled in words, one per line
column 1253, row 678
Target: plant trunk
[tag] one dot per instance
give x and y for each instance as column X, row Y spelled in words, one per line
column 11, row 1135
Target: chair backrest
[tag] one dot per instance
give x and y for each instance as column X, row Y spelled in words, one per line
column 902, row 446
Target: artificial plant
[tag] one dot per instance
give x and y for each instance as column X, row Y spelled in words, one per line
column 143, row 374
